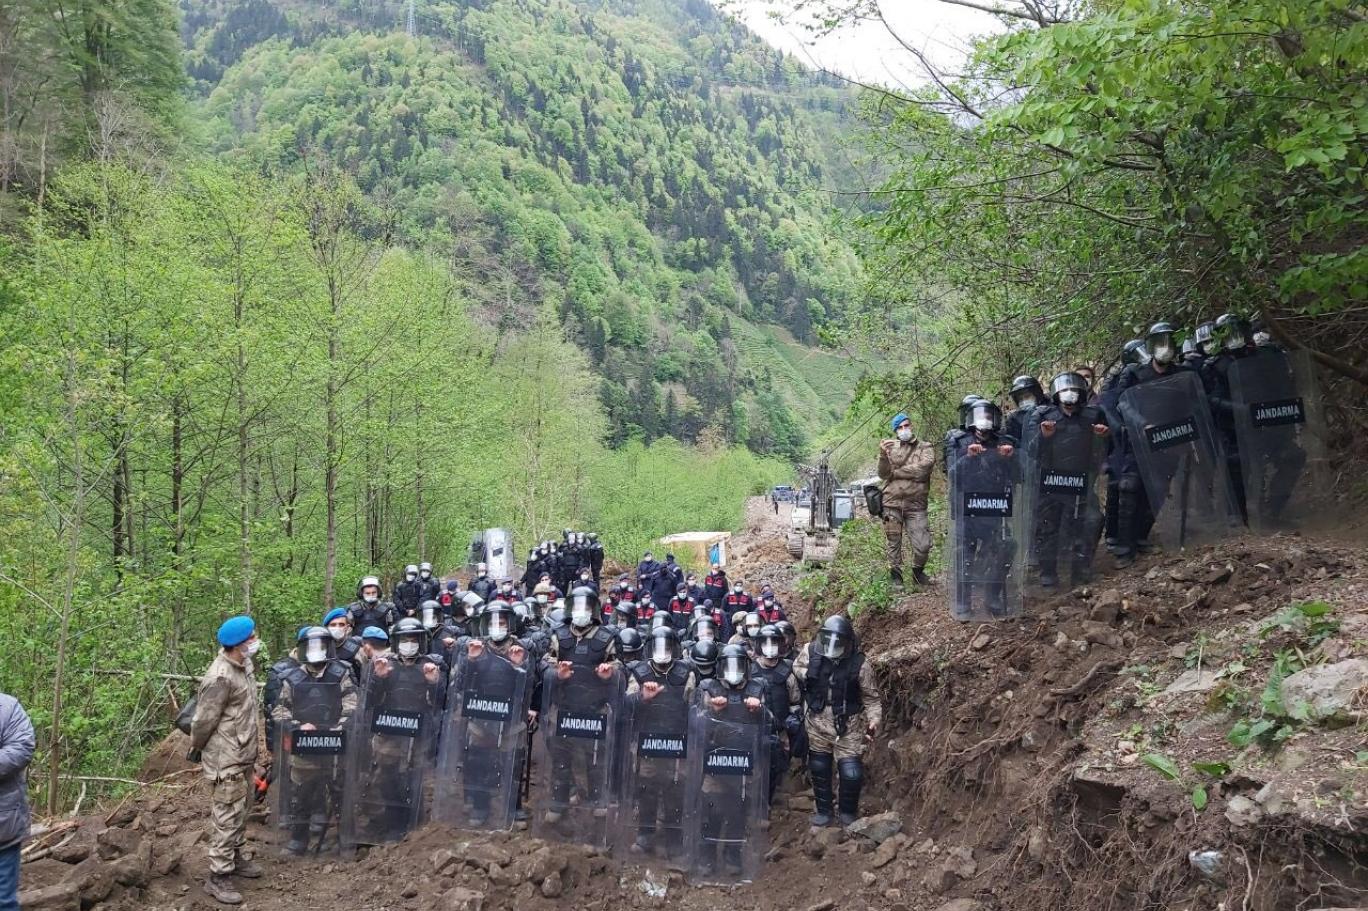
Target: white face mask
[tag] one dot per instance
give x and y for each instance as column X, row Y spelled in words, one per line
column 316, row 652
column 984, row 423
column 905, row 434
column 769, row 650
column 706, row 635
column 1068, row 397
column 253, row 647
column 734, row 677
column 498, row 629
column 339, row 633
column 370, row 598
column 1027, row 402
column 581, row 616
column 410, row 576
column 408, row 648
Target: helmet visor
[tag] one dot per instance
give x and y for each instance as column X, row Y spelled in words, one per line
column 498, row 628
column 705, row 631
column 431, row 617
column 831, row 645
column 733, row 669
column 315, row 651
column 662, row 650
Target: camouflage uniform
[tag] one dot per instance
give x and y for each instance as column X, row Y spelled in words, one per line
column 906, row 470
column 225, row 732
column 823, row 727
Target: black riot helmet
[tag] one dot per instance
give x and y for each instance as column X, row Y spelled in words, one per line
column 1232, row 332
column 790, row 635
column 316, row 645
column 770, row 642
column 630, row 645
column 1135, row 352
column 965, row 407
column 1159, row 341
column 663, row 648
column 425, row 570
column 498, row 622
column 733, row 667
column 430, row 615
column 408, row 638
column 704, row 629
column 471, row 604
column 703, row 657
column 1203, row 337
column 625, row 614
column 662, row 620
column 583, row 606
column 1190, row 348
column 1026, row 391
column 1069, row 388
column 836, row 638
column 985, row 416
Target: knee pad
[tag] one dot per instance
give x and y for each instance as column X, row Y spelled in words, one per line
column 851, row 770
column 820, row 764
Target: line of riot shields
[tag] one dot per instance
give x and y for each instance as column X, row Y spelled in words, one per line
column 1032, row 510
column 667, row 779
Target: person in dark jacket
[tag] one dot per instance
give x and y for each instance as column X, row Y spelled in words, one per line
column 16, row 752
column 715, row 585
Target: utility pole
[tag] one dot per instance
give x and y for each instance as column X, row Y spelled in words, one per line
column 411, row 29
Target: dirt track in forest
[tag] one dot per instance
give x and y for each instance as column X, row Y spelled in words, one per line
column 1012, row 758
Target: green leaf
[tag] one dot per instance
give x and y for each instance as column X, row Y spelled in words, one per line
column 1162, row 764
column 1314, row 609
column 1199, row 797
column 1214, row 769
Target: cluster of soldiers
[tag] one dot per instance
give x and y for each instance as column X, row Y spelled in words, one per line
column 576, row 560
column 1194, row 439
column 662, row 730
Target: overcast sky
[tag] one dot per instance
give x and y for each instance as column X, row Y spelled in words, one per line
column 866, row 51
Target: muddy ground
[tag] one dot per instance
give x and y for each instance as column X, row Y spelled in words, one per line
column 1179, row 735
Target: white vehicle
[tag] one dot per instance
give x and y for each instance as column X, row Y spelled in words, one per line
column 494, row 548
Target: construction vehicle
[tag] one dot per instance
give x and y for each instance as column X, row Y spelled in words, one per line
column 818, row 516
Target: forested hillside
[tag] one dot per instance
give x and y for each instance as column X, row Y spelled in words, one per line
column 651, row 171
column 315, row 298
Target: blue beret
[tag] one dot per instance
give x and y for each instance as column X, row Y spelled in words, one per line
column 375, row 632
column 334, row 614
column 235, row 631
column 898, row 419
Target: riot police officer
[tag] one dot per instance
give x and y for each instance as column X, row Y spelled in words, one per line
column 1026, row 395
column 843, row 715
column 659, row 690
column 783, row 698
column 368, row 609
column 409, row 593
column 1232, row 342
column 316, row 704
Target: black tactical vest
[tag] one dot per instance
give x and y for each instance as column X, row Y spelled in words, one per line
column 776, row 688
column 834, row 684
column 591, row 651
column 317, row 700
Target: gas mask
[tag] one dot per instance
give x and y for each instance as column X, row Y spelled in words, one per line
column 905, row 434
column 408, row 648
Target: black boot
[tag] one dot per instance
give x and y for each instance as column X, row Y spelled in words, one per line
column 852, row 779
column 896, row 576
column 820, row 767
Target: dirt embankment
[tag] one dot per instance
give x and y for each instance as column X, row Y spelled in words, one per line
column 1180, row 735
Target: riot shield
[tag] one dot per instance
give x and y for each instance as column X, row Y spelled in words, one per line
column 1064, row 518
column 579, row 725
column 484, row 739
column 727, row 823
column 987, row 536
column 391, row 751
column 650, row 817
column 1169, row 427
column 1280, row 430
column 311, row 744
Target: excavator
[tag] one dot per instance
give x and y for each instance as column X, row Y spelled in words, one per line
column 819, row 510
